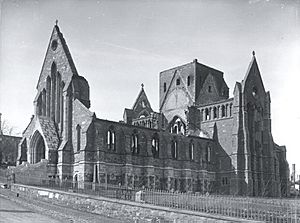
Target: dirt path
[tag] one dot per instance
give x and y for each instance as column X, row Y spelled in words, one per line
column 20, row 209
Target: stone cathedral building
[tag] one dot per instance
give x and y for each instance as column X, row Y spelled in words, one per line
column 200, row 140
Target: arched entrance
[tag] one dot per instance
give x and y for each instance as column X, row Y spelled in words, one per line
column 37, row 148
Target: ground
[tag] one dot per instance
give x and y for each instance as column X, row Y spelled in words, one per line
column 18, row 209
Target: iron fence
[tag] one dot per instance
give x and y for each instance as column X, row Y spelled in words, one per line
column 262, row 209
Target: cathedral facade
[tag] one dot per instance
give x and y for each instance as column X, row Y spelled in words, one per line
column 201, row 140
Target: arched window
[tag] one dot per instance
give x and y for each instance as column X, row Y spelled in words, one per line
column 178, row 126
column 226, row 110
column 44, row 102
column 53, row 91
column 177, row 81
column 188, row 80
column 58, row 97
column 215, row 113
column 223, row 111
column 191, row 150
column 230, row 110
column 111, row 139
column 134, row 143
column 208, row 154
column 174, row 149
column 155, row 146
column 207, row 114
column 78, row 137
column 165, row 86
column 62, row 105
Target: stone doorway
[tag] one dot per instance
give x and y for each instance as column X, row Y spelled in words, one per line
column 37, row 147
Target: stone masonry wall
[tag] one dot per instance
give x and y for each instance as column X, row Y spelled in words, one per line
column 125, row 210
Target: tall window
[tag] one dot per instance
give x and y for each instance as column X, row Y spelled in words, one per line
column 53, row 91
column 111, row 139
column 188, row 80
column 178, row 81
column 215, row 112
column 165, row 87
column 174, row 149
column 207, row 116
column 155, row 146
column 134, row 143
column 208, row 154
column 78, row 137
column 223, row 111
column 191, row 150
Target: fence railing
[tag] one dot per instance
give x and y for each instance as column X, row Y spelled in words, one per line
column 262, row 209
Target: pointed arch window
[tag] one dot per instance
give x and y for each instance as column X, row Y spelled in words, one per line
column 111, row 139
column 178, row 126
column 53, row 91
column 134, row 143
column 174, row 149
column 155, row 146
column 78, row 137
column 208, row 153
column 191, row 150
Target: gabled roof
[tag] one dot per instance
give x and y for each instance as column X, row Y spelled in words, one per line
column 141, row 96
column 253, row 66
column 203, row 72
column 65, row 48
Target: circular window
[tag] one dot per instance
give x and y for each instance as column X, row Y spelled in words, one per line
column 254, row 91
column 54, row 45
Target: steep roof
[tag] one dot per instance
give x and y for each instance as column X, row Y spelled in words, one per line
column 65, row 48
column 141, row 96
column 252, row 69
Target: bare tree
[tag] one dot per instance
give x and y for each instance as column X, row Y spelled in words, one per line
column 6, row 128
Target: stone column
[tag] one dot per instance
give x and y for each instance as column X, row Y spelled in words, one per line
column 220, row 111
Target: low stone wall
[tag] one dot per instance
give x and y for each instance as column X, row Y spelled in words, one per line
column 127, row 211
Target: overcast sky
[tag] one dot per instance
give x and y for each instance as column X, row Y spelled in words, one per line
column 117, row 45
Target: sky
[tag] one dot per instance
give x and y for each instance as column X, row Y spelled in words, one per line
column 118, row 45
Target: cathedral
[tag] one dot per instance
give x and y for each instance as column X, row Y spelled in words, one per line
column 201, row 140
